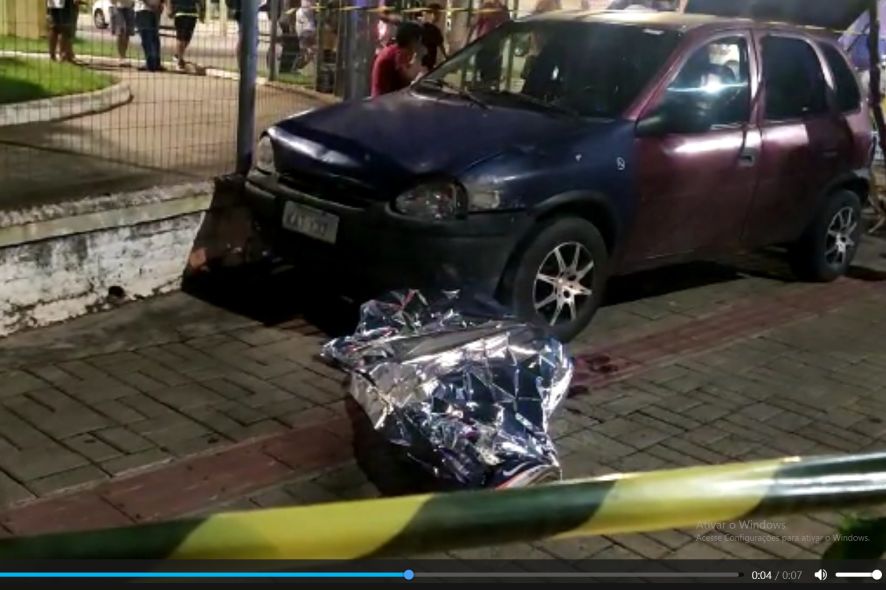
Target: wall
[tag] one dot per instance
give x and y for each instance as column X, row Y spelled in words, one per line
column 65, row 261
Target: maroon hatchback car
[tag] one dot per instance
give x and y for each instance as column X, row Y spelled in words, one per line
column 621, row 141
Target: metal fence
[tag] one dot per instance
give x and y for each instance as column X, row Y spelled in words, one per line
column 95, row 98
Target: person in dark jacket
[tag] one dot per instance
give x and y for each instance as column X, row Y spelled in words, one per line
column 185, row 14
column 432, row 36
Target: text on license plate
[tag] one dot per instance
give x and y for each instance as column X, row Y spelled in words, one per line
column 310, row 222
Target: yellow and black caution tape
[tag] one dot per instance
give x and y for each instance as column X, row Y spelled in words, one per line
column 625, row 503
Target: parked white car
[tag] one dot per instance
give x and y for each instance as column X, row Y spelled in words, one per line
column 101, row 14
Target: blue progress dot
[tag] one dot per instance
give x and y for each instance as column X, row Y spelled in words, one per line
column 408, row 574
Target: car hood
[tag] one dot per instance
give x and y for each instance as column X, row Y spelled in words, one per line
column 397, row 138
column 830, row 14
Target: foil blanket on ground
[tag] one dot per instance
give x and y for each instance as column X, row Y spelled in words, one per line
column 463, row 388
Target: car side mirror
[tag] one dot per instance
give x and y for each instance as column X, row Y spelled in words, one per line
column 677, row 117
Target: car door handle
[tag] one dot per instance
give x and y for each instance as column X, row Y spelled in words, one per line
column 831, row 154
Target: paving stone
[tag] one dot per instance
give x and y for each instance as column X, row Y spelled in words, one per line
column 118, row 412
column 192, row 446
column 18, row 382
column 136, row 461
column 635, row 434
column 187, row 396
column 67, row 480
column 260, row 336
column 642, row 545
column 147, row 406
column 701, row 454
column 124, row 440
column 602, row 447
column 12, row 491
column 308, row 492
column 91, row 447
column 574, row 549
column 36, row 462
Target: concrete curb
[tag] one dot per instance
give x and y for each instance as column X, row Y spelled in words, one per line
column 65, row 107
column 210, row 72
column 262, row 81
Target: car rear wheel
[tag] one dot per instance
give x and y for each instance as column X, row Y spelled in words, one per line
column 558, row 279
column 99, row 20
column 828, row 247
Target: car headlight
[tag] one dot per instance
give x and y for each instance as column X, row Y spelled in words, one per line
column 435, row 201
column 264, row 155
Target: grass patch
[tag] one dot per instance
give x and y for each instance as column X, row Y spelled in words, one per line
column 32, row 79
column 82, row 47
column 298, row 79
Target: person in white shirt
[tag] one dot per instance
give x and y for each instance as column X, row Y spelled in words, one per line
column 123, row 25
column 306, row 30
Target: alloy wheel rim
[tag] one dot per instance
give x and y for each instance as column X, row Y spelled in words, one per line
column 563, row 283
column 841, row 237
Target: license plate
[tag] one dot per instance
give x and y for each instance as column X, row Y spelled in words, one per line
column 310, row 222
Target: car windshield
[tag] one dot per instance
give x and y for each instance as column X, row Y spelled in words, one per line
column 586, row 69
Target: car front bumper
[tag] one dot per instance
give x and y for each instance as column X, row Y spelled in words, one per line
column 378, row 249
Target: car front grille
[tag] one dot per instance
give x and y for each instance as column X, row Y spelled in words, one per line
column 336, row 190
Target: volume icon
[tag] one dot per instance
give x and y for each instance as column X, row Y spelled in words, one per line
column 821, row 575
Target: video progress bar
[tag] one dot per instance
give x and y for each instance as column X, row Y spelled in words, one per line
column 577, row 575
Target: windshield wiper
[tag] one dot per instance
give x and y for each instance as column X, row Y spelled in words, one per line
column 549, row 106
column 466, row 94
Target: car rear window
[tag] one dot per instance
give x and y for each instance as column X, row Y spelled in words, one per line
column 793, row 78
column 845, row 82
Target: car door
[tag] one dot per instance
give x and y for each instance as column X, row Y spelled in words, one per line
column 696, row 179
column 805, row 139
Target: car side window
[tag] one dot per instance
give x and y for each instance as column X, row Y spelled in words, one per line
column 793, row 79
column 713, row 86
column 845, row 81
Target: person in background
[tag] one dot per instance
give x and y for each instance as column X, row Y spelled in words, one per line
column 387, row 26
column 306, row 30
column 543, row 6
column 75, row 16
column 493, row 14
column 147, row 20
column 488, row 60
column 122, row 26
column 398, row 64
column 185, row 14
column 432, row 36
column 60, row 14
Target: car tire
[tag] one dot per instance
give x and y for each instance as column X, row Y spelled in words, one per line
column 99, row 20
column 541, row 282
column 827, row 248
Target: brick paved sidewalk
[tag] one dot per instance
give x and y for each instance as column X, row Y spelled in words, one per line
column 695, row 365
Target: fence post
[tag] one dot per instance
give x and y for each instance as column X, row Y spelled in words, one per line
column 246, row 98
column 274, row 13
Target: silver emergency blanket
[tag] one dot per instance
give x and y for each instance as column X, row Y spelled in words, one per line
column 465, row 390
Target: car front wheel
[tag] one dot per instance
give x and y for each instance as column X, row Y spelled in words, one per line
column 99, row 20
column 828, row 247
column 558, row 279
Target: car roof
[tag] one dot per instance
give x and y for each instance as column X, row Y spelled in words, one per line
column 677, row 21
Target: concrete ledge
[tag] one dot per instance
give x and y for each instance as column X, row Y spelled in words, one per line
column 101, row 212
column 63, row 261
column 65, row 107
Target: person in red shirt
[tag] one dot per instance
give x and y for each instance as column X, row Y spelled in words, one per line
column 493, row 14
column 398, row 64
